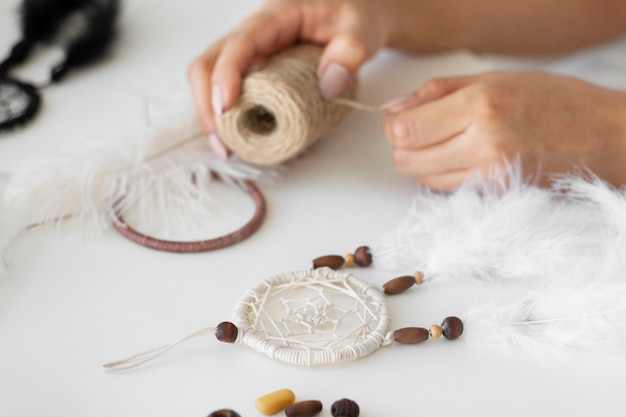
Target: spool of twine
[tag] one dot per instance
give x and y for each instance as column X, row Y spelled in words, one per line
column 281, row 111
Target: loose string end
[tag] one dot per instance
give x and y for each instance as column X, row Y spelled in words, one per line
column 356, row 105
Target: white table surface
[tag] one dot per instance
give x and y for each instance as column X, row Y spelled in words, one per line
column 67, row 304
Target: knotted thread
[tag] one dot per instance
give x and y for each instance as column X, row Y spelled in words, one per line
column 281, row 111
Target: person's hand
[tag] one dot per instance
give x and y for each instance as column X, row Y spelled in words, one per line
column 452, row 129
column 352, row 30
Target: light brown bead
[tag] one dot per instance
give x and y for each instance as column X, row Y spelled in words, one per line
column 411, row 335
column 363, row 256
column 349, row 260
column 435, row 331
column 275, row 401
column 452, row 327
column 226, row 332
column 307, row 408
column 399, row 284
column 419, row 278
column 330, row 261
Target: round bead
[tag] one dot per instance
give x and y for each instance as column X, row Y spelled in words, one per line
column 411, row 335
column 349, row 260
column 330, row 261
column 363, row 256
column 419, row 278
column 307, row 408
column 452, row 328
column 226, row 332
column 275, row 401
column 435, row 331
column 224, row 413
column 345, row 408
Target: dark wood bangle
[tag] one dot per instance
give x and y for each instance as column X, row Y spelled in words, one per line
column 202, row 245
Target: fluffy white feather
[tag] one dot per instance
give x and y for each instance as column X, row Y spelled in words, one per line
column 163, row 170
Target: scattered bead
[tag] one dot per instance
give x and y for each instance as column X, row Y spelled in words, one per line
column 275, row 401
column 452, row 327
column 307, row 408
column 349, row 260
column 345, row 408
column 398, row 285
column 330, row 261
column 224, row 413
column 226, row 332
column 435, row 331
column 363, row 256
column 419, row 278
column 411, row 335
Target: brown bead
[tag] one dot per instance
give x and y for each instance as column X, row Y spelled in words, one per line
column 411, row 335
column 330, row 261
column 349, row 260
column 226, row 332
column 398, row 285
column 435, row 331
column 224, row 413
column 363, row 256
column 307, row 408
column 452, row 327
column 345, row 408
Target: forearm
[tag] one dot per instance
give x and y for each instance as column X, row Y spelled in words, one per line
column 519, row 27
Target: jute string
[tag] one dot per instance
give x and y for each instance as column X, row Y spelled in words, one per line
column 281, row 111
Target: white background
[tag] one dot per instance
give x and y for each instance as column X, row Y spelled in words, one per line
column 67, row 304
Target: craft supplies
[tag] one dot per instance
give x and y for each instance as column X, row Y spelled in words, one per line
column 345, row 408
column 306, row 408
column 224, row 413
column 275, row 401
column 280, row 111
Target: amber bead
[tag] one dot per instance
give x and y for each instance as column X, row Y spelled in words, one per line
column 307, row 408
column 349, row 260
column 226, row 332
column 330, row 261
column 399, row 285
column 275, row 401
column 435, row 331
column 363, row 256
column 419, row 278
column 345, row 408
column 452, row 328
column 224, row 413
column 411, row 335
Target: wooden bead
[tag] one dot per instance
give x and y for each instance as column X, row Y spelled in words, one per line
column 363, row 256
column 275, row 401
column 307, row 408
column 419, row 278
column 411, row 335
column 345, row 408
column 398, row 285
column 226, row 332
column 224, row 413
column 330, row 261
column 349, row 260
column 452, row 328
column 435, row 331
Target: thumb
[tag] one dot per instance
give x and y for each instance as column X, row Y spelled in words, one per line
column 340, row 62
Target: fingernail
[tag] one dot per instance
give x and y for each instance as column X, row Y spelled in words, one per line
column 218, row 100
column 399, row 103
column 334, row 81
column 218, row 147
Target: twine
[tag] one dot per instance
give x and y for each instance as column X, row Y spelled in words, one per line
column 281, row 111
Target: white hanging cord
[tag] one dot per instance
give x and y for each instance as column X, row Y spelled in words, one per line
column 143, row 357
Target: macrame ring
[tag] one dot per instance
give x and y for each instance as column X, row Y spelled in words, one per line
column 249, row 320
column 19, row 102
column 202, row 245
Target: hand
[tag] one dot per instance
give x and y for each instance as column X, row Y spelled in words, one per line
column 454, row 128
column 352, row 30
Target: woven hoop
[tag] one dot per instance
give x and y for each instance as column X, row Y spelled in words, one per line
column 202, row 245
column 329, row 342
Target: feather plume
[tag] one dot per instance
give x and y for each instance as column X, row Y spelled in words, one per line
column 163, row 171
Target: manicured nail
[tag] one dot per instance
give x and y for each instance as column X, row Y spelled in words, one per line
column 398, row 104
column 334, row 81
column 218, row 100
column 218, row 147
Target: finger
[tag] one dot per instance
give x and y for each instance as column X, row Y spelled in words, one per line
column 428, row 124
column 448, row 181
column 258, row 37
column 200, row 75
